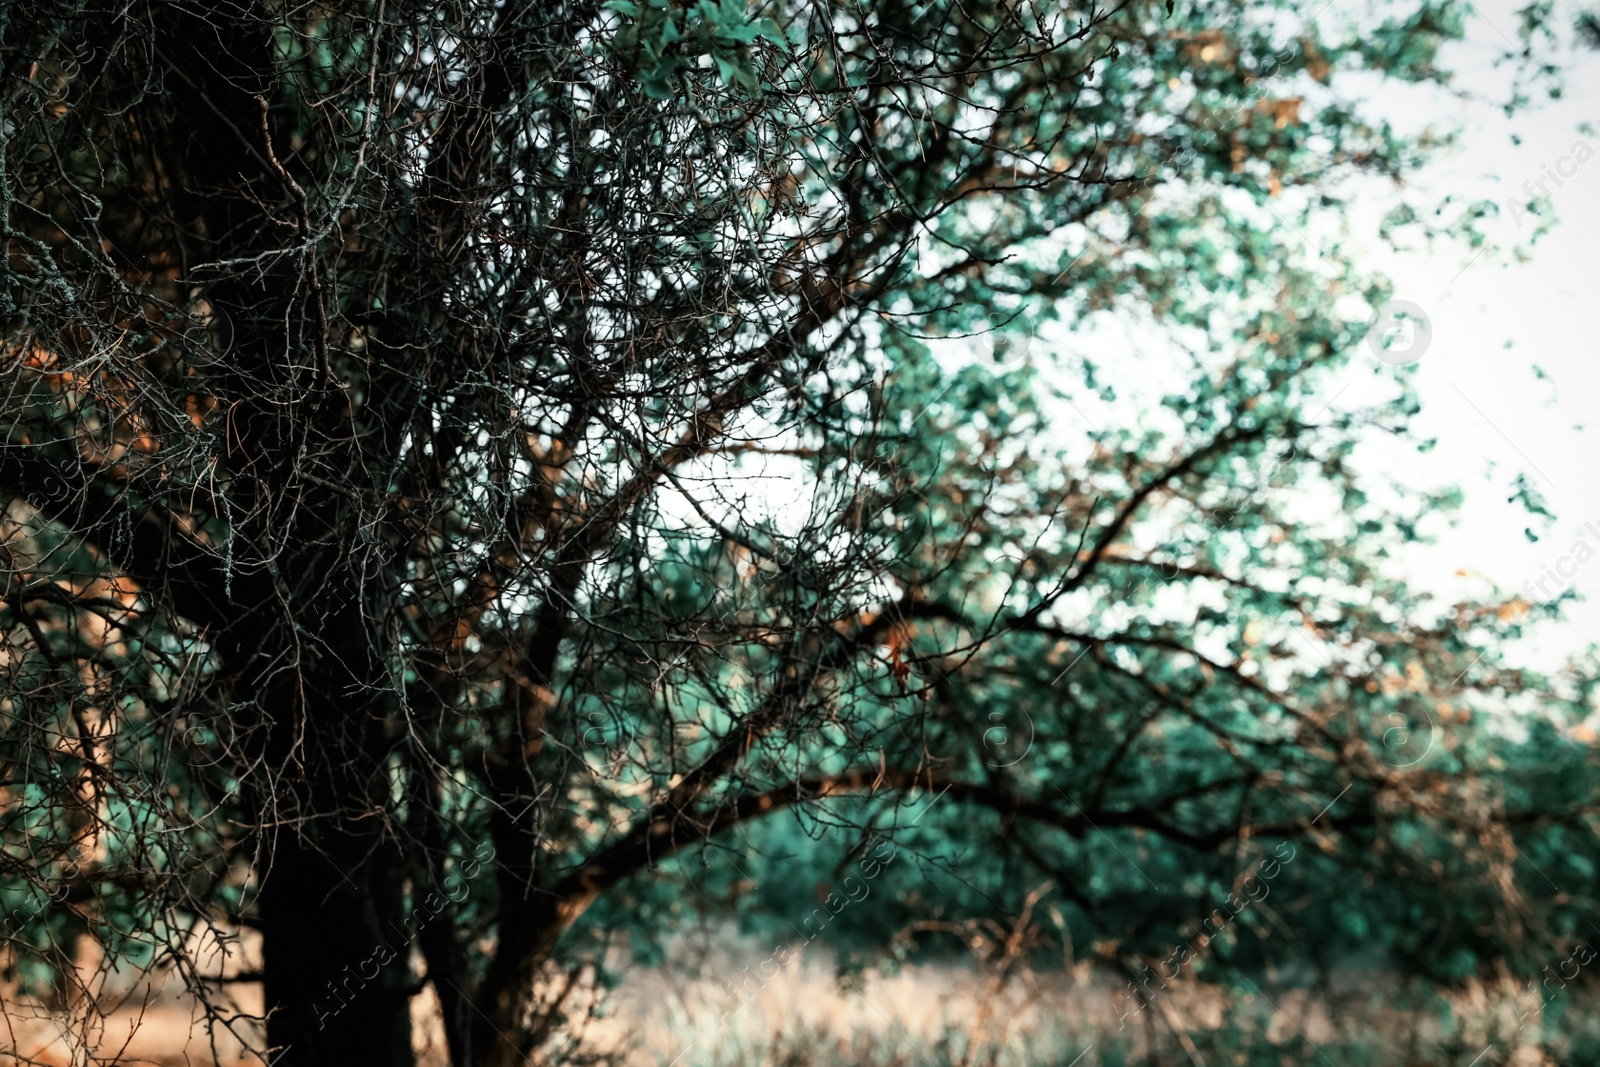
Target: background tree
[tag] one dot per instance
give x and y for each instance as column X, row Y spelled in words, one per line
column 464, row 455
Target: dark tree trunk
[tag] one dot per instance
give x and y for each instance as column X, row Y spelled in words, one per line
column 299, row 627
column 335, row 961
column 333, row 894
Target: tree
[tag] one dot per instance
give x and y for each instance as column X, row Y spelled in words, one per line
column 466, row 454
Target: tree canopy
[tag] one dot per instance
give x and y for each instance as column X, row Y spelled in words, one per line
column 473, row 465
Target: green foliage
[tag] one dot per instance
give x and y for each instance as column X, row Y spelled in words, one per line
column 661, row 39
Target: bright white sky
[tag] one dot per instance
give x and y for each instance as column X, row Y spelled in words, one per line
column 1492, row 415
column 1493, row 318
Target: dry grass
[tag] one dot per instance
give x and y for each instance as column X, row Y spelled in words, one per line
column 806, row 1015
column 935, row 1016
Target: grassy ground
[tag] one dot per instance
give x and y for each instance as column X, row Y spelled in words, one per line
column 804, row 1015
column 946, row 1017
